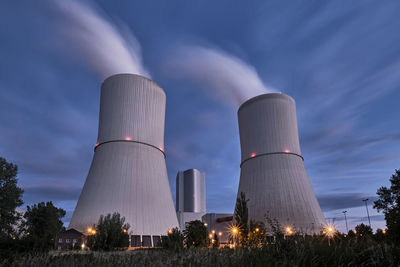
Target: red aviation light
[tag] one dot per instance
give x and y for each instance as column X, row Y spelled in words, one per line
column 97, row 143
column 252, row 155
column 128, row 138
column 286, row 151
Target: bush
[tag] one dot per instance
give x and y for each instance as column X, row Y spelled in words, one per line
column 111, row 232
column 174, row 240
column 195, row 234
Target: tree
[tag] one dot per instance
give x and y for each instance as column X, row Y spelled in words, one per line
column 195, row 234
column 351, row 234
column 42, row 224
column 389, row 203
column 111, row 232
column 380, row 235
column 363, row 230
column 10, row 198
column 257, row 236
column 173, row 241
column 241, row 218
column 215, row 242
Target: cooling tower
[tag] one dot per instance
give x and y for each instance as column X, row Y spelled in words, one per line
column 128, row 173
column 273, row 175
column 190, row 196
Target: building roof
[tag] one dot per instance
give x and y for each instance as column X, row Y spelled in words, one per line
column 71, row 231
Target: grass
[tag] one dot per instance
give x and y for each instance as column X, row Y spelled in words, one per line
column 293, row 252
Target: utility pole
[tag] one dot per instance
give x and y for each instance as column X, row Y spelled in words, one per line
column 366, row 206
column 345, row 218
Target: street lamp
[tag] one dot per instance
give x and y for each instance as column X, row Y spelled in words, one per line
column 366, row 206
column 234, row 230
column 345, row 218
column 289, row 230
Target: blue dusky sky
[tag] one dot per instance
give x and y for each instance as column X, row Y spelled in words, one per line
column 340, row 61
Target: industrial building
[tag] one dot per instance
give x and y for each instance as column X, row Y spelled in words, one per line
column 128, row 174
column 273, row 175
column 190, row 196
column 220, row 224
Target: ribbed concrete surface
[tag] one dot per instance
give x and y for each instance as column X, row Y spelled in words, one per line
column 132, row 107
column 273, row 175
column 128, row 173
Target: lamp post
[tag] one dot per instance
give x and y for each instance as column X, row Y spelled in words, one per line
column 366, row 206
column 345, row 218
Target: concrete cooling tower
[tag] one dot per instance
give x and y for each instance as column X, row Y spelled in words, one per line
column 273, row 176
column 128, row 173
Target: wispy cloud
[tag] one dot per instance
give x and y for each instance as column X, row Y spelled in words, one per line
column 329, row 202
column 222, row 74
column 107, row 48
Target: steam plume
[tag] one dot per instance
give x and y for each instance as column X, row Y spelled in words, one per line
column 232, row 78
column 106, row 48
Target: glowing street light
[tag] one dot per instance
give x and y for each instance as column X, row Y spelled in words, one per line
column 210, row 236
column 257, row 229
column 329, row 231
column 234, row 230
column 213, row 231
column 170, row 231
column 124, row 231
column 220, row 233
column 384, row 231
column 289, row 230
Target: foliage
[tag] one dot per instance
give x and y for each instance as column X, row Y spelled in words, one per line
column 389, row 203
column 10, row 199
column 242, row 218
column 195, row 234
column 351, row 234
column 380, row 235
column 296, row 251
column 275, row 229
column 215, row 242
column 111, row 232
column 174, row 240
column 257, row 235
column 41, row 225
column 363, row 230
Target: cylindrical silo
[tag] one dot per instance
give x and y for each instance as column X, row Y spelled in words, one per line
column 128, row 173
column 273, row 175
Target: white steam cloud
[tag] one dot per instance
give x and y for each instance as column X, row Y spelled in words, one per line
column 233, row 79
column 106, row 48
